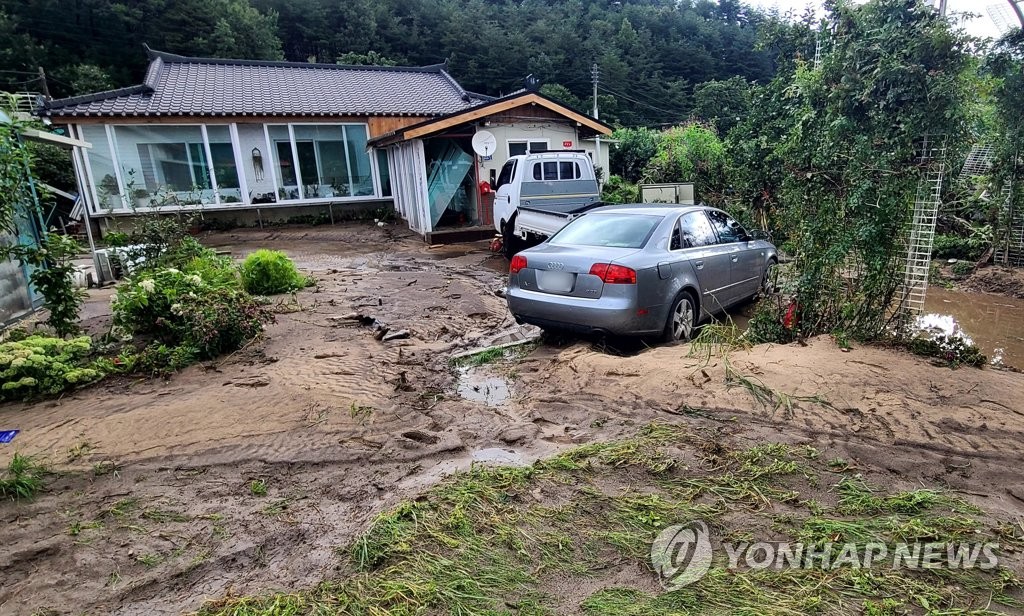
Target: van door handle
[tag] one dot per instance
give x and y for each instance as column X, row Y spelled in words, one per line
column 698, row 264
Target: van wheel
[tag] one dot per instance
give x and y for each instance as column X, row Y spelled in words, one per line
column 682, row 319
column 510, row 242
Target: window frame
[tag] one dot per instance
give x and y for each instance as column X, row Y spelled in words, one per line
column 528, row 143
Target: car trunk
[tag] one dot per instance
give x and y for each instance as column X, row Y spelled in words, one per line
column 565, row 270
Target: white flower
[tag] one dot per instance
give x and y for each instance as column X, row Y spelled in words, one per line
column 171, row 270
column 176, row 308
column 148, row 285
column 192, row 294
column 195, row 279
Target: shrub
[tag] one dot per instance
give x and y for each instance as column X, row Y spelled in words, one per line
column 44, row 365
column 956, row 247
column 954, row 350
column 179, row 309
column 269, row 272
column 618, row 190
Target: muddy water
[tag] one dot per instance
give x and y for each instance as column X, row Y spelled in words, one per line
column 480, row 384
column 993, row 322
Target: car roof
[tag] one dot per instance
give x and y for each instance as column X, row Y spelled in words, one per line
column 659, row 209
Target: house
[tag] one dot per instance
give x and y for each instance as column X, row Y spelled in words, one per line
column 256, row 140
column 442, row 183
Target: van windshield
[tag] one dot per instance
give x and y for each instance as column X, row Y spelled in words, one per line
column 621, row 230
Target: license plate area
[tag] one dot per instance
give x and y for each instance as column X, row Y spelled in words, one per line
column 555, row 282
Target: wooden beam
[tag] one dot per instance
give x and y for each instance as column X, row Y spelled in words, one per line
column 476, row 113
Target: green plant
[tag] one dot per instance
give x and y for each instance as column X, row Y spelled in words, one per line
column 40, row 365
column 22, row 479
column 962, row 268
column 54, row 279
column 258, row 487
column 954, row 350
column 690, row 153
column 183, row 310
column 269, row 272
column 618, row 190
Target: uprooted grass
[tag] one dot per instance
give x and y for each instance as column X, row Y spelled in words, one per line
column 488, row 541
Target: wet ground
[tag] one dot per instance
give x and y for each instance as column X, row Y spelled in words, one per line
column 994, row 322
column 153, row 509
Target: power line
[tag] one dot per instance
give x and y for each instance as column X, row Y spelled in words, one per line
column 641, row 103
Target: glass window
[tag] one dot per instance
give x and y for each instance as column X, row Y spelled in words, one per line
column 728, row 230
column 507, row 173
column 551, row 170
column 359, row 161
column 385, row 173
column 566, row 171
column 522, row 146
column 164, row 165
column 101, row 164
column 696, row 231
column 609, row 230
column 537, row 173
column 579, row 172
column 222, row 157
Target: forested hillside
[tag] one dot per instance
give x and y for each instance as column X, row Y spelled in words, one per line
column 652, row 53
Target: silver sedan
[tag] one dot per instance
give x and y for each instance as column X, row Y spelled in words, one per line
column 639, row 270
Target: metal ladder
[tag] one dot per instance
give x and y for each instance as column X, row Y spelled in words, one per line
column 978, row 162
column 921, row 230
column 1011, row 250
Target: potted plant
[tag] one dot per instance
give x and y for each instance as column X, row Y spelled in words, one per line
column 141, row 198
column 109, row 191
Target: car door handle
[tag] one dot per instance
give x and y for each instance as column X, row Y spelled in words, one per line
column 735, row 259
column 698, row 264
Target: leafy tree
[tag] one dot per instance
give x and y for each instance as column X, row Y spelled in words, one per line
column 691, row 153
column 722, row 103
column 562, row 94
column 893, row 72
column 633, row 151
column 370, row 58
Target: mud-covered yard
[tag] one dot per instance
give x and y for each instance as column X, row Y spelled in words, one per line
column 257, row 472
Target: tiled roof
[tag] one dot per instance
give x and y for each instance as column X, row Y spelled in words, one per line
column 182, row 86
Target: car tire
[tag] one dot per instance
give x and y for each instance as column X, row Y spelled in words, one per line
column 682, row 319
column 510, row 242
column 769, row 284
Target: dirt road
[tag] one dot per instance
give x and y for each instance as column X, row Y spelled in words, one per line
column 247, row 474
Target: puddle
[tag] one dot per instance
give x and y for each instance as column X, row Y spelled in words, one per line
column 478, row 384
column 993, row 322
column 500, row 457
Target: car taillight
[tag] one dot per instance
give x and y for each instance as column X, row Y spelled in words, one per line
column 517, row 264
column 613, row 274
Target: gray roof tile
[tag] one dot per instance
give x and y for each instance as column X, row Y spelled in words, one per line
column 182, row 86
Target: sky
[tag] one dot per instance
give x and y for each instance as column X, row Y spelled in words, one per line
column 980, row 25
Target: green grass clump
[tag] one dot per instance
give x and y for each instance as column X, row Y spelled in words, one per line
column 269, row 272
column 23, row 478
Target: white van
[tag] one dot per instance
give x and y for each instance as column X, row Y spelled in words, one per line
column 539, row 193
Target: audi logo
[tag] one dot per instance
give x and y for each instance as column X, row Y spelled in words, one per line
column 555, row 265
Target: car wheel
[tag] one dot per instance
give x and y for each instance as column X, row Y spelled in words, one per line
column 770, row 285
column 682, row 318
column 510, row 242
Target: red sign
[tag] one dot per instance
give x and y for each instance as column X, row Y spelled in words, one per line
column 567, row 144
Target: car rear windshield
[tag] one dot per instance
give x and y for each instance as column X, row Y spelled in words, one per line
column 611, row 230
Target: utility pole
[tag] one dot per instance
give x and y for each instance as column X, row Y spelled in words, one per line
column 942, row 5
column 42, row 81
column 595, row 74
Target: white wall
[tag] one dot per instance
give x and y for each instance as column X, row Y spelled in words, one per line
column 252, row 136
column 555, row 133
